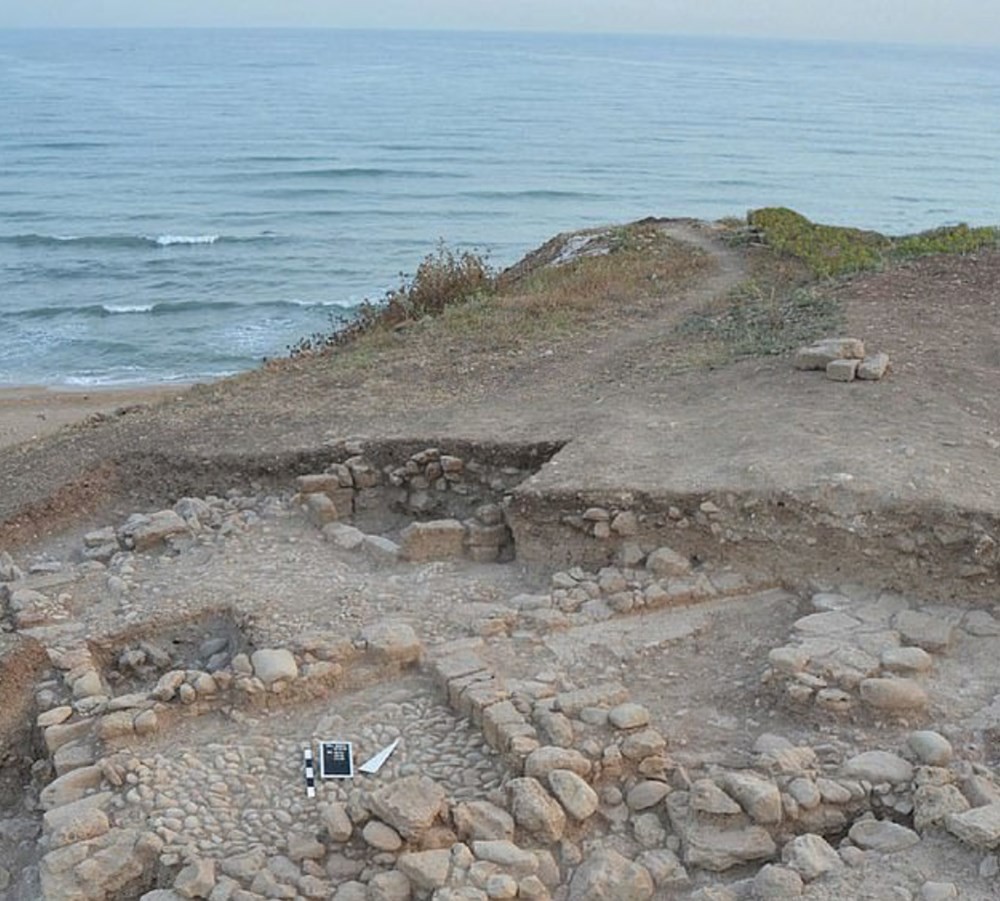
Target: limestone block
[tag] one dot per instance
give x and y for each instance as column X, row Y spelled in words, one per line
column 893, row 694
column 320, row 483
column 578, row 799
column 481, row 821
column 273, row 664
column 381, row 837
column 873, row 367
column 338, row 824
column 143, row 533
column 572, row 702
column 821, row 353
column 760, row 798
column 546, row 759
column 925, row 631
column 810, row 856
column 645, row 743
column 410, row 805
column 426, row 870
column 882, row 836
column 777, row 883
column 496, row 717
column 116, row 725
column 933, row 803
column 707, row 797
column 665, row 561
column 664, row 866
column 63, row 733
column 508, row 856
column 441, row 539
column 716, row 849
column 380, row 549
column 979, row 827
column 906, row 660
column 70, row 787
column 387, row 886
column 196, row 880
column 392, row 641
column 78, row 821
column 842, row 370
column 535, row 810
column 625, row 524
column 607, row 875
column 878, row 767
column 320, row 509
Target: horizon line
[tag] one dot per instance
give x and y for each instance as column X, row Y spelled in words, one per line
column 444, row 29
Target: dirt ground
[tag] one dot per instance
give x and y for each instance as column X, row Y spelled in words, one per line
column 633, row 421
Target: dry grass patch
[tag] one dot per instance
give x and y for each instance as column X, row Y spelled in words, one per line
column 573, row 286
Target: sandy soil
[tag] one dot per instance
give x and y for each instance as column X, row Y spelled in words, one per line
column 28, row 413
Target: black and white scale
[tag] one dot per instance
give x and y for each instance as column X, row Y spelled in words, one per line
column 336, row 761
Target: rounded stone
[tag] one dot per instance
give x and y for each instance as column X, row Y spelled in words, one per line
column 646, row 794
column 930, row 747
column 381, row 837
column 628, row 716
column 907, row 660
column 882, row 836
column 501, row 886
column 272, row 664
column 893, row 694
column 776, row 883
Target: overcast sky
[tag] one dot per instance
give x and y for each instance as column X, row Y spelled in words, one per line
column 949, row 21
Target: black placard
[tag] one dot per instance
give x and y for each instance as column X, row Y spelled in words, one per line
column 336, row 760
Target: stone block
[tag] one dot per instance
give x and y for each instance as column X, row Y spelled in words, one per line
column 820, row 354
column 273, row 664
column 146, row 532
column 842, row 370
column 392, row 641
column 410, row 805
column 441, row 539
column 873, row 367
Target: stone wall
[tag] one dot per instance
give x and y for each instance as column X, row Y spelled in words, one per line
column 831, row 534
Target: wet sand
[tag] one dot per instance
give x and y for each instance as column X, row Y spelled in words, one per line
column 30, row 412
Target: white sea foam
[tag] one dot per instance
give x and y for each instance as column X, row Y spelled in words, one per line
column 168, row 240
column 128, row 308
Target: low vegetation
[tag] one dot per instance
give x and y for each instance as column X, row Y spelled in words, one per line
column 573, row 284
column 761, row 319
column 442, row 279
column 831, row 251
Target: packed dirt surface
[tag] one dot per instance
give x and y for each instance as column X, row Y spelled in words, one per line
column 642, row 628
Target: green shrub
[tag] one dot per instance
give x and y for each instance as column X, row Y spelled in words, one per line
column 442, row 279
column 950, row 239
column 830, row 250
column 827, row 250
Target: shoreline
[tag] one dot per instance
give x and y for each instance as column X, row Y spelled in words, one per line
column 29, row 412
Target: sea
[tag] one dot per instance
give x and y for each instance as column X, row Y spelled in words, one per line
column 179, row 205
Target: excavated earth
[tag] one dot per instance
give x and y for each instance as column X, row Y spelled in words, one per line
column 641, row 630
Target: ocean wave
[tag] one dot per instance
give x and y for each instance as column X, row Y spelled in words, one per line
column 170, row 240
column 125, row 241
column 167, row 308
column 127, row 308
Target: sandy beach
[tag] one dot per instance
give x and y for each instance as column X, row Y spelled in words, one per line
column 34, row 411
